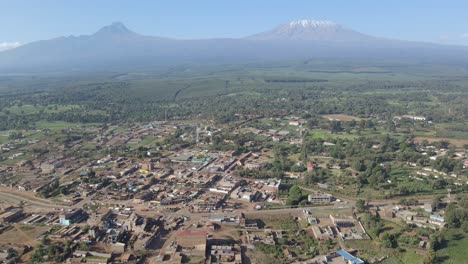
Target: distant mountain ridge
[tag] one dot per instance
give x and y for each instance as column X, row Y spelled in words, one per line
column 115, row 48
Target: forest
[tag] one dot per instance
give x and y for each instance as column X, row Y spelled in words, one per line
column 225, row 94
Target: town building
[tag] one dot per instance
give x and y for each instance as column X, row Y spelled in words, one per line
column 11, row 215
column 318, row 197
column 72, row 217
column 349, row 257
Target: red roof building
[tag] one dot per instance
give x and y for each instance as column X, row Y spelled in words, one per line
column 311, row 166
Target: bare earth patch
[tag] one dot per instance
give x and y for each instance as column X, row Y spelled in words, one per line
column 457, row 142
column 342, row 117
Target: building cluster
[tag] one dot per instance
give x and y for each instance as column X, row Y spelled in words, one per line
column 179, row 199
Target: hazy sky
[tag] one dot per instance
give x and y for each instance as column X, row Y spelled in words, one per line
column 22, row 21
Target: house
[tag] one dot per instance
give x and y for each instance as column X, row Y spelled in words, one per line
column 73, row 216
column 254, row 165
column 323, row 233
column 216, row 218
column 411, row 117
column 437, row 220
column 349, row 258
column 11, row 215
column 318, row 197
column 341, row 222
column 226, row 254
column 96, row 257
column 244, row 194
column 310, row 218
column 428, row 208
column 223, row 218
column 148, row 165
column 248, row 223
column 311, row 166
column 296, row 122
column 272, row 185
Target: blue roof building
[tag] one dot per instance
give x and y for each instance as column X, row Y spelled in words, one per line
column 437, row 217
column 349, row 258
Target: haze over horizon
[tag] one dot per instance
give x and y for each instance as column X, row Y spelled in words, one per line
column 443, row 23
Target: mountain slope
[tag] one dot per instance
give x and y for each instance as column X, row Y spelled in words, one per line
column 115, row 47
column 311, row 30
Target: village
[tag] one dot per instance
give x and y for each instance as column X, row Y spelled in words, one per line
column 182, row 201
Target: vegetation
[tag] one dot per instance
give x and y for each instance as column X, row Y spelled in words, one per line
column 351, row 141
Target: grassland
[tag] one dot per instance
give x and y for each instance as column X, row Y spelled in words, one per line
column 59, row 125
column 454, row 248
column 285, row 222
column 32, row 109
column 457, row 142
column 371, row 249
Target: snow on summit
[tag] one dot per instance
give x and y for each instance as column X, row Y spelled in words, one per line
column 312, row 23
column 310, row 30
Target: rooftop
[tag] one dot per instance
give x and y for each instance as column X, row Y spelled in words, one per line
column 349, row 257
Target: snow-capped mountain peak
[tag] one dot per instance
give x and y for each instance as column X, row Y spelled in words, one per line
column 308, row 30
column 312, row 23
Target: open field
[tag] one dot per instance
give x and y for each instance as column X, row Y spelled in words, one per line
column 454, row 248
column 369, row 249
column 459, row 143
column 285, row 221
column 342, row 117
column 22, row 234
column 58, row 125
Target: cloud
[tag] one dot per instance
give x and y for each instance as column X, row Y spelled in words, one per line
column 464, row 35
column 8, row 45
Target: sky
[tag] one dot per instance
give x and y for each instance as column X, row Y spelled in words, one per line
column 24, row 21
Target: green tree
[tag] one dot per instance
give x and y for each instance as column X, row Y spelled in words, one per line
column 85, row 229
column 430, row 257
column 295, row 195
column 361, row 205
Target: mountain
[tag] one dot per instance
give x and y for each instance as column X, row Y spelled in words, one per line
column 312, row 30
column 115, row 29
column 116, row 48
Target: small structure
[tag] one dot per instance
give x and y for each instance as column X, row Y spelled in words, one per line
column 318, row 197
column 323, row 233
column 73, row 216
column 11, row 215
column 349, row 258
column 226, row 254
column 340, row 222
column 428, row 208
column 437, row 220
column 311, row 166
